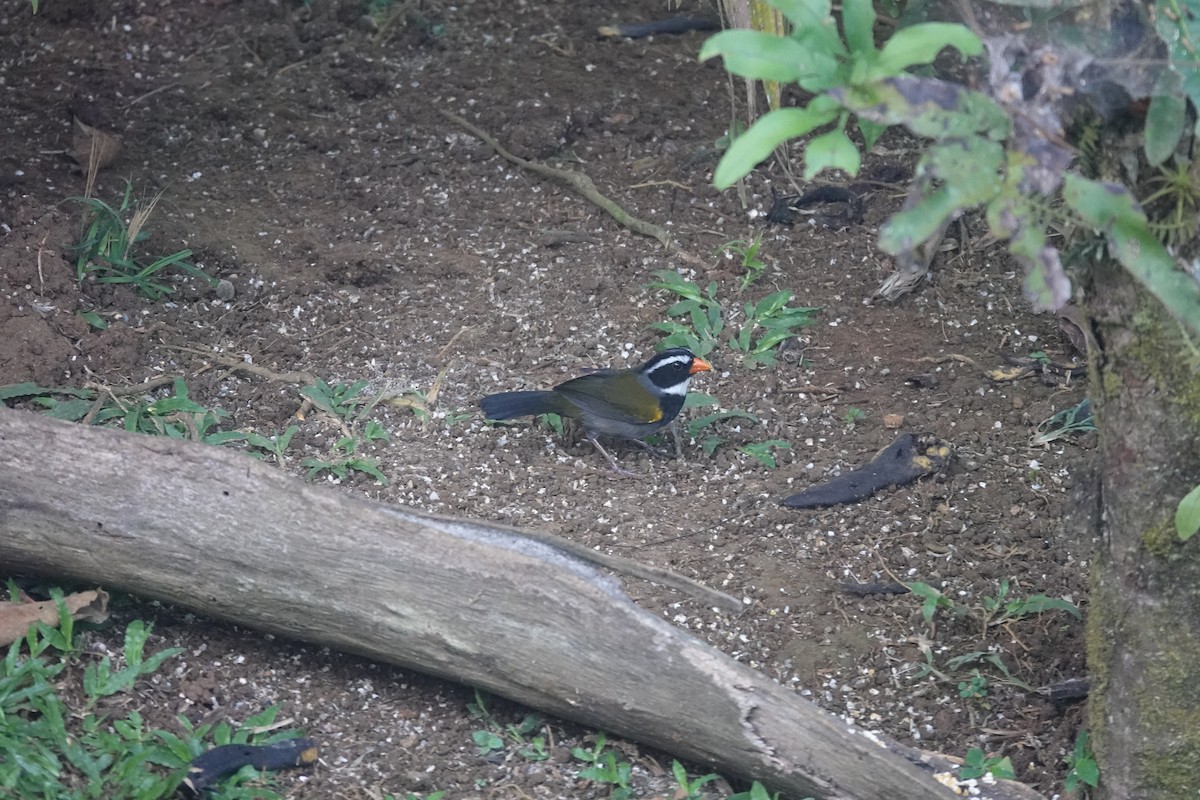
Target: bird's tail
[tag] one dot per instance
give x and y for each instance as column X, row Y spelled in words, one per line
column 508, row 405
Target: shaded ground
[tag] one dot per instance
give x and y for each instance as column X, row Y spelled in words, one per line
column 301, row 158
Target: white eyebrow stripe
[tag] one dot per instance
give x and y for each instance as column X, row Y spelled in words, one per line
column 668, row 361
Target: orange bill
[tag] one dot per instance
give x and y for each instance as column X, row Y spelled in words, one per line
column 699, row 365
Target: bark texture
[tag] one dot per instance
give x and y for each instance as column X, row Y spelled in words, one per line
column 1144, row 615
column 222, row 534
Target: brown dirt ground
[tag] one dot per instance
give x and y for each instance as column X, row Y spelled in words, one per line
column 301, row 157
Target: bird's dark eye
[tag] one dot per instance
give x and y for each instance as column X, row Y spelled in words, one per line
column 671, row 369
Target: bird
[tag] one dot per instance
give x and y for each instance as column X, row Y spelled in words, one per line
column 624, row 403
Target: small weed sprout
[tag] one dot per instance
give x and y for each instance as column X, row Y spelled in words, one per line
column 493, row 736
column 106, row 245
column 699, row 320
column 932, row 600
column 761, row 451
column 1000, row 609
column 690, row 788
column 853, row 416
column 746, row 252
column 757, row 792
column 1082, row 770
column 343, row 401
column 1073, row 420
column 976, row 764
column 975, row 686
column 709, row 441
column 604, row 768
column 699, row 307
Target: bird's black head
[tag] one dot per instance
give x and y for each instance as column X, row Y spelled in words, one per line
column 670, row 370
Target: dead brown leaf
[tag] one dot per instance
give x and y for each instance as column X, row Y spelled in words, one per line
column 15, row 618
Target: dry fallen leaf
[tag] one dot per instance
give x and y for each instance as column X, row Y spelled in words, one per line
column 15, row 618
column 92, row 148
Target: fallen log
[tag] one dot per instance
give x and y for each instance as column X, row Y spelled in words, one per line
column 217, row 532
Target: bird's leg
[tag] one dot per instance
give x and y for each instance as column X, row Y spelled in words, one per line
column 612, row 462
column 675, row 436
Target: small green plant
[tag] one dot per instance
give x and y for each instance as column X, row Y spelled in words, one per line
column 1039, row 357
column 761, row 451
column 106, row 247
column 817, row 57
column 263, row 446
column 690, row 788
column 457, row 417
column 493, row 737
column 769, row 323
column 1002, row 609
column 699, row 307
column 487, row 742
column 65, row 747
column 985, row 657
column 340, row 399
column 976, row 764
column 975, row 686
column 175, row 416
column 343, row 401
column 604, row 767
column 100, row 679
column 853, row 416
column 1081, row 765
column 746, row 251
column 931, row 600
column 1178, row 194
column 345, row 458
column 552, row 421
column 757, row 792
column 1076, row 419
column 699, row 428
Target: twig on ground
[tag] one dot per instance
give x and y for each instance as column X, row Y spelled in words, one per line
column 232, row 363
column 584, row 185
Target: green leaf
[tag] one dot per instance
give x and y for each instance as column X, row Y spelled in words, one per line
column 771, row 304
column 806, row 15
column 771, row 130
column 1039, row 603
column 761, row 451
column 95, row 320
column 1111, row 209
column 1187, row 515
column 831, row 150
column 699, row 400
column 70, row 410
column 920, row 44
column 1164, row 126
column 1088, row 771
column 22, row 390
column 909, row 228
column 1180, row 32
column 858, row 22
column 761, row 56
column 926, row 106
column 871, row 131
